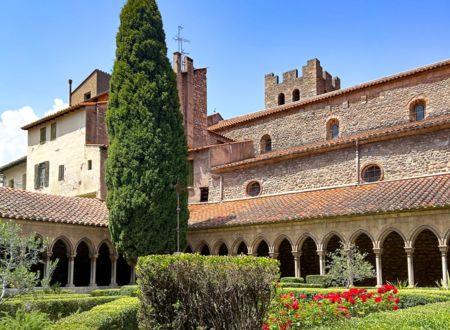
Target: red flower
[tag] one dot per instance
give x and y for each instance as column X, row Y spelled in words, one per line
column 395, row 307
column 318, row 297
column 363, row 297
column 265, row 326
column 295, row 305
column 378, row 299
column 302, row 296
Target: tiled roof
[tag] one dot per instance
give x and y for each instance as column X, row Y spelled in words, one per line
column 57, row 114
column 26, row 205
column 396, row 131
column 13, row 163
column 389, row 196
column 268, row 112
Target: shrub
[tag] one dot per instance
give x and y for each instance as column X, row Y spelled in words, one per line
column 129, row 290
column 55, row 307
column 190, row 291
column 22, row 319
column 323, row 280
column 106, row 292
column 298, row 285
column 292, row 280
column 118, row 314
column 432, row 316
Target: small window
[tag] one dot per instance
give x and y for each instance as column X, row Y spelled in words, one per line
column 24, row 181
column 253, row 189
column 43, row 135
column 190, row 181
column 87, row 96
column 418, row 111
column 89, row 165
column 333, row 129
column 2, row 180
column 204, row 192
column 266, row 143
column 61, row 173
column 371, row 173
column 281, row 99
column 53, row 132
column 295, row 95
column 11, row 183
column 41, row 175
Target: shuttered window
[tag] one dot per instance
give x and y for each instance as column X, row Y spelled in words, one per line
column 24, row 181
column 43, row 132
column 61, row 173
column 53, row 132
column 41, row 175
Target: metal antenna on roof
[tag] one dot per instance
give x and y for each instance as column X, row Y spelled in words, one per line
column 180, row 41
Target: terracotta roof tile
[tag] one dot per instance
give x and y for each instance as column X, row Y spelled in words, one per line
column 26, row 205
column 382, row 197
column 343, row 142
column 271, row 111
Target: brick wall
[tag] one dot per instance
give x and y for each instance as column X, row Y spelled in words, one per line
column 373, row 107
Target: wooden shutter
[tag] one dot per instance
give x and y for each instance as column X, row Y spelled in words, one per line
column 47, row 173
column 53, row 131
column 36, row 176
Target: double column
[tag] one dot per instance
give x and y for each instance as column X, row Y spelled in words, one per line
column 444, row 251
column 71, row 265
column 93, row 280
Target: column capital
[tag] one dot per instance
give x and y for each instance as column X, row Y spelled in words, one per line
column 409, row 250
column 71, row 256
column 322, row 253
column 49, row 254
column 297, row 254
column 377, row 250
column 93, row 255
column 443, row 249
column 273, row 255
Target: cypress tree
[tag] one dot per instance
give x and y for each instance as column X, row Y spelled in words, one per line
column 147, row 151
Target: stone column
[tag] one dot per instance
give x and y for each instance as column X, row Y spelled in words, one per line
column 349, row 256
column 443, row 250
column 93, row 270
column 409, row 259
column 273, row 255
column 378, row 266
column 297, row 255
column 322, row 255
column 70, row 270
column 113, row 259
column 133, row 275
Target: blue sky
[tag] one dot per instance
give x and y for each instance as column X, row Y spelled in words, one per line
column 44, row 43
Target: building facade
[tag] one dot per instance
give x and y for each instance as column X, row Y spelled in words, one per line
column 319, row 166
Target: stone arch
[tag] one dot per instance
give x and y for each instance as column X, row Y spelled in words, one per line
column 330, row 243
column 281, row 99
column 204, row 249
column 418, row 230
column 220, row 248
column 82, row 264
column 295, row 95
column 265, row 144
column 309, row 259
column 105, row 252
column 60, row 249
column 364, row 242
column 279, row 240
column 239, row 246
column 386, row 231
column 426, row 258
column 393, row 257
column 333, row 128
column 359, row 232
column 286, row 258
column 261, row 247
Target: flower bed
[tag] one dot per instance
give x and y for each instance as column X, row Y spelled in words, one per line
column 291, row 311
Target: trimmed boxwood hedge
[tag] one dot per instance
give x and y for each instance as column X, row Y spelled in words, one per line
column 118, row 314
column 292, row 280
column 431, row 316
column 323, row 280
column 298, row 285
column 126, row 290
column 56, row 307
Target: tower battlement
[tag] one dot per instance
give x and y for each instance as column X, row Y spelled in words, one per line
column 313, row 81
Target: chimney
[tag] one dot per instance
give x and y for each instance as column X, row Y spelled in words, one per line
column 70, row 92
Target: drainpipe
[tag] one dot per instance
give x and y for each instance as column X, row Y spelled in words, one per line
column 220, row 177
column 70, row 92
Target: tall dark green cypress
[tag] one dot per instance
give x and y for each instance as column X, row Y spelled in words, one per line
column 147, row 151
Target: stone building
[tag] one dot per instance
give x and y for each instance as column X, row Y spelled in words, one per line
column 319, row 166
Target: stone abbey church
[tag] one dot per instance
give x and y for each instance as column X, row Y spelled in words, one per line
column 319, row 166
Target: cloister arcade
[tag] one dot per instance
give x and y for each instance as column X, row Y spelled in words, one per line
column 419, row 257
column 85, row 265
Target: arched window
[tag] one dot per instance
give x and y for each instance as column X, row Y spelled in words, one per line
column 280, row 99
column 295, row 95
column 371, row 173
column 253, row 189
column 333, row 129
column 266, row 143
column 417, row 110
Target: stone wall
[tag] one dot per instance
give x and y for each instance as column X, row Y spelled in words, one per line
column 16, row 173
column 373, row 107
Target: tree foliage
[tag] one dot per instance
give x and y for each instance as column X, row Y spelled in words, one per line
column 349, row 265
column 18, row 253
column 147, row 151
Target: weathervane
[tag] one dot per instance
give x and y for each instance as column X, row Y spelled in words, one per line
column 180, row 41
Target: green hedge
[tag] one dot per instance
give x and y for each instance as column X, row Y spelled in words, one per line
column 126, row 290
column 189, row 291
column 118, row 314
column 292, row 280
column 432, row 316
column 323, row 280
column 105, row 292
column 55, row 307
column 298, row 285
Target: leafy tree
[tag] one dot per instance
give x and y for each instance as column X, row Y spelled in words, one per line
column 18, row 253
column 349, row 265
column 147, row 151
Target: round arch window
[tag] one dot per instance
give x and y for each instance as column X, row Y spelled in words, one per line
column 371, row 173
column 253, row 188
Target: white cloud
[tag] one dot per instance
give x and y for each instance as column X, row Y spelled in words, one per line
column 13, row 140
column 58, row 104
